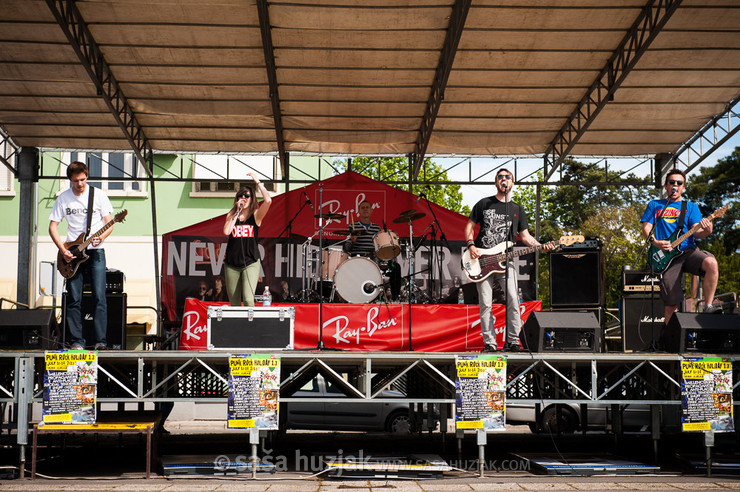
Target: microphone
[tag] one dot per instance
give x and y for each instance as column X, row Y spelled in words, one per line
column 505, row 185
column 308, row 200
column 239, row 209
column 674, row 190
column 421, row 195
column 385, row 228
column 369, row 287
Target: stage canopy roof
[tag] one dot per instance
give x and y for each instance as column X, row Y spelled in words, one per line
column 411, row 77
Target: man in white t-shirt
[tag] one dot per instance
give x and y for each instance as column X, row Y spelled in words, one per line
column 72, row 205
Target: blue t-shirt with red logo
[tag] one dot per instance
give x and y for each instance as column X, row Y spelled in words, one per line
column 668, row 224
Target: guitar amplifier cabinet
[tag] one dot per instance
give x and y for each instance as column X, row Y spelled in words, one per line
column 116, row 334
column 250, row 328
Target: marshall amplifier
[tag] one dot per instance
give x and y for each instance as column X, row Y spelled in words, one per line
column 643, row 321
column 113, row 282
column 639, row 281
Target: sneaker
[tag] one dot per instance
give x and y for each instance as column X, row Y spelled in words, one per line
column 77, row 346
column 100, row 346
column 489, row 348
column 713, row 309
column 513, row 347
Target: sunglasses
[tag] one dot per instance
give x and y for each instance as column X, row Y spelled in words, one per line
column 245, row 195
column 503, row 176
column 675, row 182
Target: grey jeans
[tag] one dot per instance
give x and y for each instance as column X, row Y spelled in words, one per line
column 492, row 289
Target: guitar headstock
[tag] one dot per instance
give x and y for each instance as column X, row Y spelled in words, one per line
column 568, row 240
column 120, row 216
column 720, row 211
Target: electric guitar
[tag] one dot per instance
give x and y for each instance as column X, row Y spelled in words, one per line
column 78, row 247
column 493, row 260
column 660, row 260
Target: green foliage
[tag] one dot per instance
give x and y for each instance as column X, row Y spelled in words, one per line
column 386, row 169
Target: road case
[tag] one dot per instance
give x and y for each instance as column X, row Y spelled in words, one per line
column 246, row 328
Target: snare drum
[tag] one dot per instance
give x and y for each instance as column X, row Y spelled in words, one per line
column 386, row 245
column 331, row 258
column 358, row 280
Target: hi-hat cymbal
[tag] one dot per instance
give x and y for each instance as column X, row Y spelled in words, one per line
column 409, row 218
column 347, row 232
column 298, row 237
column 329, row 216
column 407, row 212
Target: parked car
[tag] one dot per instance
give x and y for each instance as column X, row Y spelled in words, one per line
column 634, row 417
column 366, row 416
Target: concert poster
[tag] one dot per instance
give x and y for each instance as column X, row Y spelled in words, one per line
column 481, row 393
column 254, row 384
column 70, row 387
column 706, row 395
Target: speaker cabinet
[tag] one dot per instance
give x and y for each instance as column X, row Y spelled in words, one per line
column 561, row 332
column 116, row 334
column 642, row 325
column 703, row 333
column 28, row 329
column 576, row 278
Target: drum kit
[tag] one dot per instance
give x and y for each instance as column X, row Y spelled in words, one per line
column 352, row 279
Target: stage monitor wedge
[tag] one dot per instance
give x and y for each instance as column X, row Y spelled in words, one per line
column 703, row 333
column 561, row 331
column 28, row 329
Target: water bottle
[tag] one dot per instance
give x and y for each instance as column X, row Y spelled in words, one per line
column 266, row 297
column 460, row 296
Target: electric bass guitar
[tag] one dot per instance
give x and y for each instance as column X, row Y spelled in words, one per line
column 660, row 260
column 493, row 260
column 78, row 247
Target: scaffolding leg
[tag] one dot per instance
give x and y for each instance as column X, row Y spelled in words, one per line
column 482, row 439
column 708, row 444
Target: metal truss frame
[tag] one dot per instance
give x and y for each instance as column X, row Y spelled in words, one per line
column 8, row 151
column 646, row 27
column 447, row 57
column 715, row 133
column 542, row 378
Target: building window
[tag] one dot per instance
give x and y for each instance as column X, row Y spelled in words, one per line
column 7, row 185
column 109, row 165
column 223, row 175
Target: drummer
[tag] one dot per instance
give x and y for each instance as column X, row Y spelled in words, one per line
column 363, row 245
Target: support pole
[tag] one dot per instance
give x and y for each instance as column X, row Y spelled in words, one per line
column 708, row 444
column 28, row 174
column 482, row 438
column 23, row 396
column 254, row 440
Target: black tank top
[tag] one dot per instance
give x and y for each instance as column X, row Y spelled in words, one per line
column 241, row 249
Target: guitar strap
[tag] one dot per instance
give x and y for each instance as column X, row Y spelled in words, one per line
column 89, row 210
column 681, row 217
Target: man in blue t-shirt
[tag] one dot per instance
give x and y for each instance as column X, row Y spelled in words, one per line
column 693, row 260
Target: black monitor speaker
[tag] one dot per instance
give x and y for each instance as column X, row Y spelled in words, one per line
column 116, row 334
column 703, row 333
column 643, row 321
column 561, row 331
column 28, row 329
column 576, row 278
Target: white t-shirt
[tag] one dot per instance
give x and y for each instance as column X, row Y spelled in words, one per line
column 74, row 208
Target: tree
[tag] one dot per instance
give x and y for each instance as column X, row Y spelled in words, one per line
column 397, row 169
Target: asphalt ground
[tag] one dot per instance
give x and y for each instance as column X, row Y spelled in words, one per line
column 84, row 463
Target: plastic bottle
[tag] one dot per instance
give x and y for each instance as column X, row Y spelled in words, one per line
column 460, row 296
column 266, row 297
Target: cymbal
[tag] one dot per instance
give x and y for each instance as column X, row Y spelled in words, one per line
column 347, row 232
column 409, row 218
column 406, row 239
column 408, row 212
column 329, row 215
column 298, row 237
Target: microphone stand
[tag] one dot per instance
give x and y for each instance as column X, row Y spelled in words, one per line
column 289, row 228
column 442, row 237
column 645, row 248
column 321, row 345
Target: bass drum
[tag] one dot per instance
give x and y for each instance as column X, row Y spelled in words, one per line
column 358, row 280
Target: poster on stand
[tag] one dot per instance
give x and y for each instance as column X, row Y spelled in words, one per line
column 70, row 387
column 706, row 394
column 480, row 392
column 254, row 384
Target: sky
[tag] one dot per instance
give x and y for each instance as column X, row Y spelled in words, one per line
column 473, row 193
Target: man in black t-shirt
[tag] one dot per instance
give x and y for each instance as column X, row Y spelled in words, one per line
column 497, row 228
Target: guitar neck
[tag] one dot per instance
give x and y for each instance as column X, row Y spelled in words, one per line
column 529, row 249
column 688, row 233
column 87, row 242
